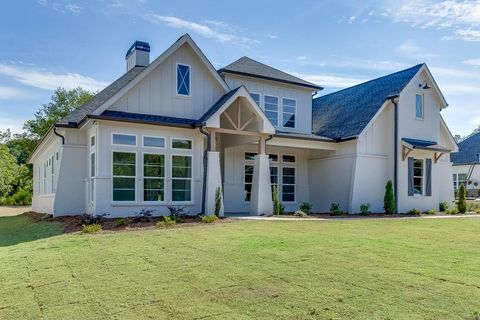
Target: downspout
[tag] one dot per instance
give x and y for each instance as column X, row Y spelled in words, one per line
column 205, row 165
column 58, row 135
column 394, row 100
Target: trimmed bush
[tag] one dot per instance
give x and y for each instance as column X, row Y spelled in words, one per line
column 121, row 222
column 87, row 219
column 306, row 207
column 218, row 201
column 301, row 214
column 415, row 212
column 177, row 213
column 443, row 206
column 92, row 228
column 209, row 219
column 144, row 215
column 335, row 209
column 167, row 222
column 389, row 199
column 430, row 211
column 462, row 201
column 452, row 211
column 365, row 209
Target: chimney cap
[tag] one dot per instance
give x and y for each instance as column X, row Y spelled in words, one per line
column 138, row 45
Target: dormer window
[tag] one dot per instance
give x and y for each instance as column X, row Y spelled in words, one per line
column 183, row 80
column 419, row 106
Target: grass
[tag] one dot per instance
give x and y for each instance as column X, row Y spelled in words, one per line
column 357, row 269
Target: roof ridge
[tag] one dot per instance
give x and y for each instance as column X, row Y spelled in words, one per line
column 371, row 80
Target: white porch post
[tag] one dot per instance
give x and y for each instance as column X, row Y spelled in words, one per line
column 213, row 178
column 261, row 197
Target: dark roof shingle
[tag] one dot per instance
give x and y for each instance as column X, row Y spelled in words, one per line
column 217, row 105
column 468, row 151
column 146, row 118
column 345, row 113
column 250, row 67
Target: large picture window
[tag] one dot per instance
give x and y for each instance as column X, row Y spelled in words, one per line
column 154, row 177
column 289, row 111
column 183, row 80
column 418, row 176
column 123, row 172
column 181, row 178
column 271, row 109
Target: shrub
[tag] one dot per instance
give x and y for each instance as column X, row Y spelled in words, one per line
column 462, row 201
column 177, row 213
column 443, row 206
column 301, row 214
column 430, row 211
column 389, row 199
column 335, row 209
column 209, row 219
column 306, row 207
column 122, row 222
column 364, row 209
column 278, row 207
column 92, row 228
column 87, row 219
column 144, row 215
column 452, row 211
column 167, row 222
column 415, row 212
column 218, row 201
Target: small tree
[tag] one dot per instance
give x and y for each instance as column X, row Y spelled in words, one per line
column 218, row 201
column 462, row 201
column 389, row 199
column 277, row 206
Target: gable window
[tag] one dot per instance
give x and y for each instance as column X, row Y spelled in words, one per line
column 154, row 177
column 256, row 98
column 419, row 110
column 418, row 176
column 181, row 178
column 271, row 109
column 289, row 111
column 124, row 139
column 183, row 80
column 123, row 172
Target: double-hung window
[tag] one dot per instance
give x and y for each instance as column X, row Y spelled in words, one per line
column 183, row 80
column 181, row 178
column 154, row 177
column 419, row 110
column 418, row 176
column 289, row 112
column 124, row 176
column 271, row 109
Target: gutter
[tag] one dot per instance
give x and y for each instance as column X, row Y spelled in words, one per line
column 394, row 100
column 58, row 135
column 205, row 165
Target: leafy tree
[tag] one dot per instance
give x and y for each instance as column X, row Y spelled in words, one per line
column 14, row 178
column 462, row 201
column 62, row 102
column 389, row 199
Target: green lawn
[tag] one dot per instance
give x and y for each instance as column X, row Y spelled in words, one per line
column 375, row 269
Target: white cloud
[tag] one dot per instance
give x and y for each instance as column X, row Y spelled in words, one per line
column 461, row 18
column 472, row 62
column 460, row 89
column 46, row 80
column 301, row 58
column 329, row 81
column 42, row 2
column 9, row 93
column 15, row 125
column 411, row 50
column 76, row 9
column 213, row 30
column 352, row 19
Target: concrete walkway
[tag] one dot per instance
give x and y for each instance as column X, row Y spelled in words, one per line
column 13, row 211
column 458, row 216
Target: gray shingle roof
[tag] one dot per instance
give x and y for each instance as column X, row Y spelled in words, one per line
column 345, row 113
column 217, row 105
column 468, row 151
column 250, row 67
column 146, row 118
column 100, row 98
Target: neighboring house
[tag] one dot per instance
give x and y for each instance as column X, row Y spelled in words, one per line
column 173, row 131
column 466, row 165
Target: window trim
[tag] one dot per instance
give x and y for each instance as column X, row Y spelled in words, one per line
column 165, row 179
column 295, row 114
column 423, row 106
column 189, row 84
column 171, row 178
column 422, row 177
column 116, row 202
column 125, row 145
column 180, row 138
column 154, row 148
column 278, row 109
column 294, row 185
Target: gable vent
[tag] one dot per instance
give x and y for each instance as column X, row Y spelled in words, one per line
column 138, row 55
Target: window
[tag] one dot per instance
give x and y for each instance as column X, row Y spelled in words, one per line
column 274, row 178
column 458, row 179
column 289, row 111
column 92, row 164
column 288, row 159
column 418, row 170
column 271, row 109
column 250, row 156
column 288, row 184
column 183, row 80
column 181, row 178
column 153, row 177
column 181, row 144
column 153, row 142
column 92, row 141
column 123, row 171
column 124, row 139
column 273, row 157
column 419, row 106
column 248, row 181
column 255, row 97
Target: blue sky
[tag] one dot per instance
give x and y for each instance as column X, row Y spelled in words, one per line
column 51, row 43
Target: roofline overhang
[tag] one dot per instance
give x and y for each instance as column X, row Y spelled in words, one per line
column 292, row 136
column 312, row 86
column 156, row 123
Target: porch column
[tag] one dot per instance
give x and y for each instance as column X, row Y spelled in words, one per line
column 213, row 178
column 261, row 198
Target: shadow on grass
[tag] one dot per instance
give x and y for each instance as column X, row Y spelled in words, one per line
column 22, row 228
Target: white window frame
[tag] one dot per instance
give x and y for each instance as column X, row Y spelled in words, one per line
column 295, row 114
column 278, row 109
column 422, row 177
column 171, row 178
column 124, row 145
column 189, row 84
column 91, row 190
column 165, row 179
column 423, row 106
column 130, row 177
column 291, row 165
column 180, row 138
column 150, row 136
column 259, row 98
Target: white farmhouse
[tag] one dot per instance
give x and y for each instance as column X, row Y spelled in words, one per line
column 174, row 131
column 466, row 165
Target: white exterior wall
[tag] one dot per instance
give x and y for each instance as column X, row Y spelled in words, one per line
column 303, row 96
column 103, row 181
column 157, row 93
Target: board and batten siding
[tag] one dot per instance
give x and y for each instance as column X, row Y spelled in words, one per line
column 156, row 94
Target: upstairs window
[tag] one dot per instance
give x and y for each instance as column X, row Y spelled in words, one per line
column 255, row 97
column 419, row 106
column 271, row 109
column 289, row 111
column 183, row 80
